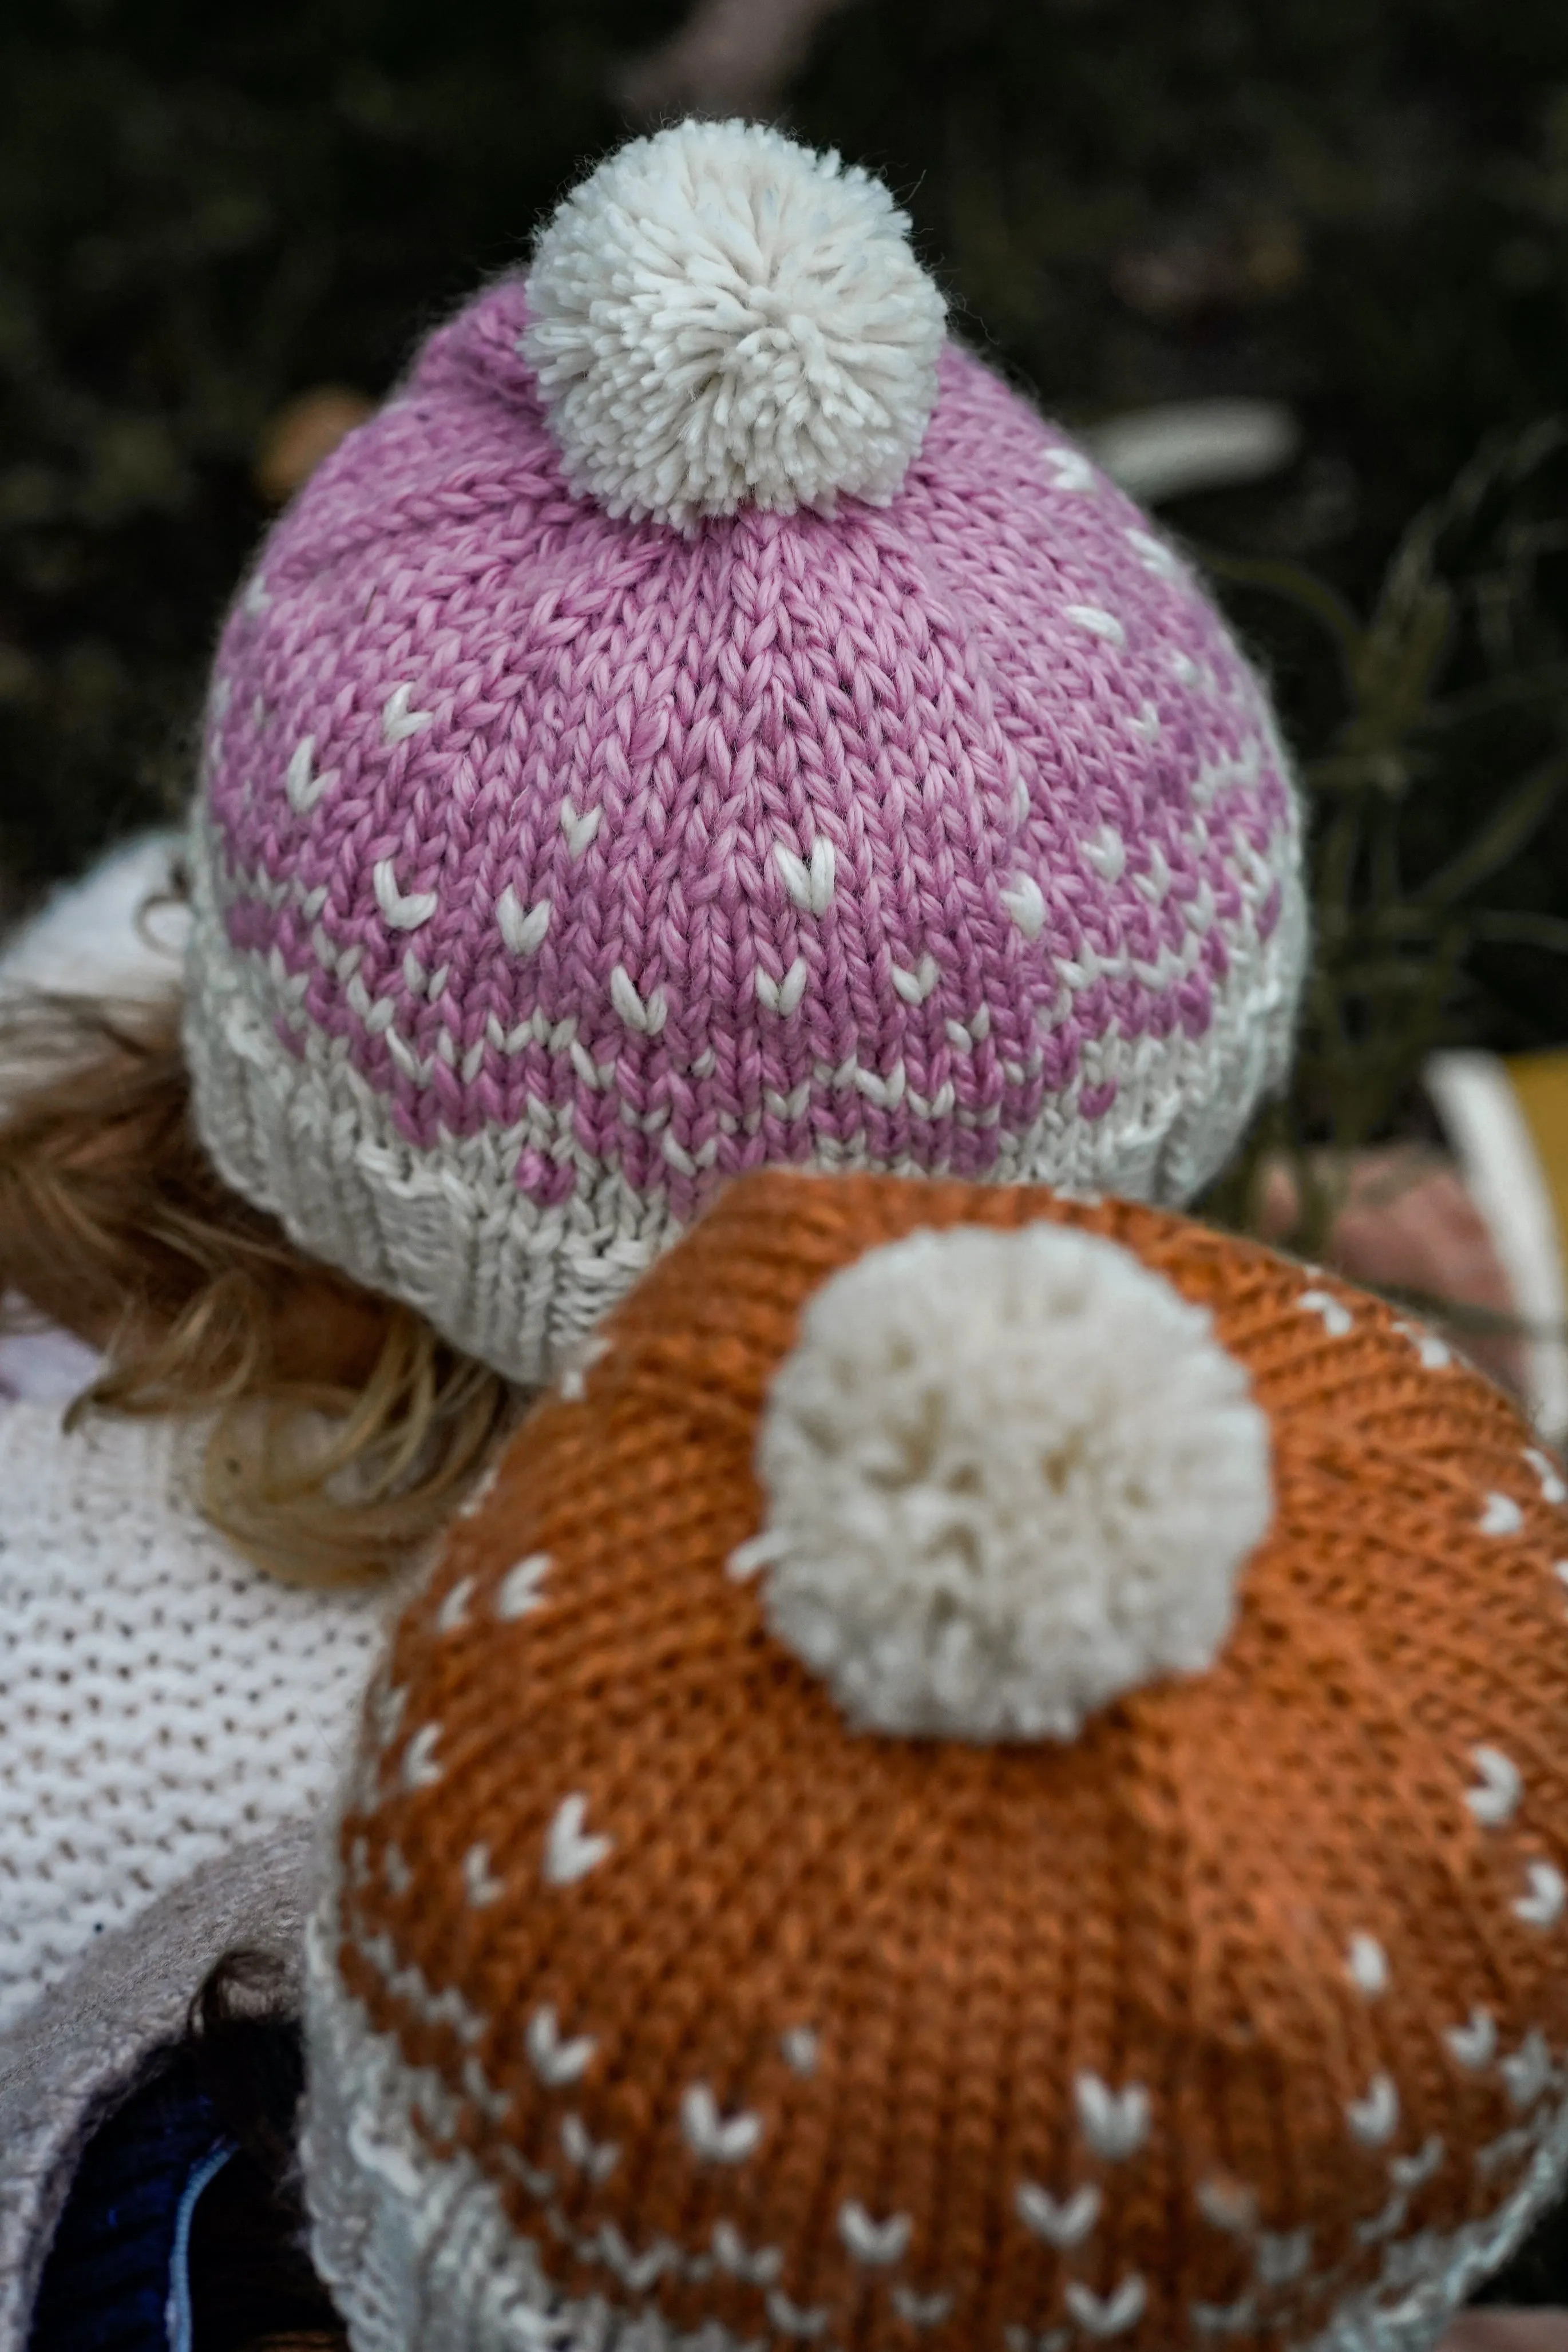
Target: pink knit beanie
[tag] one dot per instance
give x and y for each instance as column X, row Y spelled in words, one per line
column 705, row 719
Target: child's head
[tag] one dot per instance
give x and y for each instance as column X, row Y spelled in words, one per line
column 995, row 1781
column 707, row 719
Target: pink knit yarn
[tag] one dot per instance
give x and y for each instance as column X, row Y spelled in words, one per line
column 553, row 868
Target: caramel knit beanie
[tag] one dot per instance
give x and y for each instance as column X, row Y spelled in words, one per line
column 708, row 720
column 990, row 1776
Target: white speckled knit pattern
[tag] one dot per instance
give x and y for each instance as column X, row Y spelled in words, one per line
column 160, row 1701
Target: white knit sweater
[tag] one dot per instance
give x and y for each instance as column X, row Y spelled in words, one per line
column 160, row 1701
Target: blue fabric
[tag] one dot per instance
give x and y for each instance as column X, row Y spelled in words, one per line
column 180, row 2324
column 113, row 2282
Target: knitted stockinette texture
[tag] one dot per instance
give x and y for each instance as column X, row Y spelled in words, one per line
column 551, row 868
column 653, row 2004
column 161, row 1700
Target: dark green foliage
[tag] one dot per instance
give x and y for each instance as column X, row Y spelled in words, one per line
column 202, row 211
column 1360, row 205
column 1440, row 772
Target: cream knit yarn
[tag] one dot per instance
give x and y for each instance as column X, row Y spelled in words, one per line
column 161, row 1701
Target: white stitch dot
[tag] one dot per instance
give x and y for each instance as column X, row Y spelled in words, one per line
column 808, row 883
column 483, row 1487
column 1114, row 2123
column 1106, row 851
column 1474, row 2044
column 403, row 912
column 523, row 931
column 1337, row 1318
column 1111, row 2315
column 570, row 1853
column 454, row 1611
column 716, row 2137
column 791, row 2318
column 1496, row 1794
column 537, row 2184
column 1154, row 555
column 398, row 721
column 518, row 1594
column 579, row 830
column 1098, row 621
column 757, row 1551
column 1552, row 1489
column 878, row 2245
column 597, row 2159
column 301, row 785
column 758, row 2265
column 1500, row 1516
column 420, row 1769
column 1226, row 2318
column 915, row 986
column 395, row 1871
column 575, row 1379
column 801, row 2050
column 1390, row 2217
column 1070, row 471
column 783, row 996
column 1434, row 1354
column 1374, row 2118
column 1522, row 2140
column 1281, row 2256
column 1543, row 1905
column 1366, row 1965
column 1025, row 904
column 609, row 2246
column 387, row 1710
column 482, row 1884
column 646, row 1015
column 921, row 2310
column 1409, row 2173
column 496, row 2105
column 1227, row 2205
column 554, row 2060
column 1062, row 2221
column 1529, row 2070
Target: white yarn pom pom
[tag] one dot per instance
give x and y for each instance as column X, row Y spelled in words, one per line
column 718, row 317
column 1011, row 1474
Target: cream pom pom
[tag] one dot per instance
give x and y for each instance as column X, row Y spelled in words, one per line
column 1011, row 1475
column 718, row 317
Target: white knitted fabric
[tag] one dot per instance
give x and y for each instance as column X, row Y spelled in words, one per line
column 160, row 1701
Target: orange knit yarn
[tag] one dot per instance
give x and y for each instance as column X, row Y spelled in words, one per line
column 1233, row 2019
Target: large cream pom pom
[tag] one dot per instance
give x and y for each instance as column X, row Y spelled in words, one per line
column 1010, row 1476
column 718, row 317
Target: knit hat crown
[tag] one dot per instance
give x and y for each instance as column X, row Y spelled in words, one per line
column 820, row 1869
column 707, row 721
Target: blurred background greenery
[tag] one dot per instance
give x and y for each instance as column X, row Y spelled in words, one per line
column 1359, row 207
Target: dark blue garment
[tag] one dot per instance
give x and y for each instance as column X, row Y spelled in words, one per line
column 115, row 2272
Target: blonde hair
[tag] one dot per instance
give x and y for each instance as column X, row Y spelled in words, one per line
column 344, row 1431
